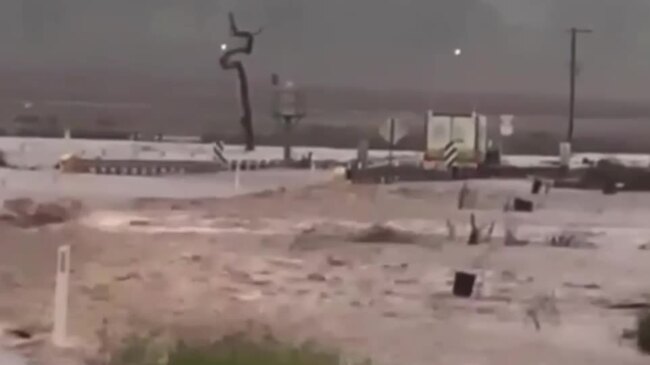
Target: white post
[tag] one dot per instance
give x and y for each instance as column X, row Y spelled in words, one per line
column 237, row 183
column 312, row 168
column 60, row 330
column 134, row 151
column 68, row 145
column 565, row 154
column 22, row 153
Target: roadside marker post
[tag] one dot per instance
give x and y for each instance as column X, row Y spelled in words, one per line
column 312, row 167
column 237, row 171
column 135, row 150
column 61, row 296
column 506, row 129
column 392, row 131
column 450, row 157
column 218, row 149
column 450, row 154
column 565, row 155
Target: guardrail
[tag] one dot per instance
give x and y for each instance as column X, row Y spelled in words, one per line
column 159, row 167
column 138, row 167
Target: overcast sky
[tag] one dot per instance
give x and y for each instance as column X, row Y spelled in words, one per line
column 508, row 45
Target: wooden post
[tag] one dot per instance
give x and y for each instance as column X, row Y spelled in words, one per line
column 451, row 230
column 61, row 293
column 474, row 234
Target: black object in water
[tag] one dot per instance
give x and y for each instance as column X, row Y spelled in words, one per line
column 464, row 284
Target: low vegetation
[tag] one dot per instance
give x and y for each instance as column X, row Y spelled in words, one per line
column 383, row 234
column 231, row 350
column 643, row 333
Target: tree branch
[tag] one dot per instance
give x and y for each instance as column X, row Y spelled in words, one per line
column 227, row 63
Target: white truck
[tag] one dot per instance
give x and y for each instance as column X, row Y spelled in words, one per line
column 468, row 132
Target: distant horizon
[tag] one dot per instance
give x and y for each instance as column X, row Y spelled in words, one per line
column 98, row 85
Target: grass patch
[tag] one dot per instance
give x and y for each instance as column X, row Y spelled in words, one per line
column 643, row 332
column 230, row 350
column 383, row 234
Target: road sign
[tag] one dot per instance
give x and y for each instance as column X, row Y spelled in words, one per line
column 506, row 128
column 450, row 154
column 288, row 102
column 218, row 149
column 393, row 131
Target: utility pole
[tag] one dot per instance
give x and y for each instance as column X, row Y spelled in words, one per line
column 572, row 97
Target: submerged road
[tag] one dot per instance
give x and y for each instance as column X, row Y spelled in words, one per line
column 10, row 358
column 49, row 184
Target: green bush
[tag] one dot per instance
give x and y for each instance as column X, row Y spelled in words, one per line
column 139, row 351
column 643, row 333
column 231, row 350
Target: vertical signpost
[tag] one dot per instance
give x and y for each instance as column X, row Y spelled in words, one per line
column 565, row 155
column 362, row 154
column 506, row 129
column 312, row 167
column 289, row 110
column 450, row 154
column 218, row 150
column 565, row 147
column 392, row 132
column 237, row 177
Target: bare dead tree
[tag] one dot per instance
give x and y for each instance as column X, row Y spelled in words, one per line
column 481, row 234
column 228, row 63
